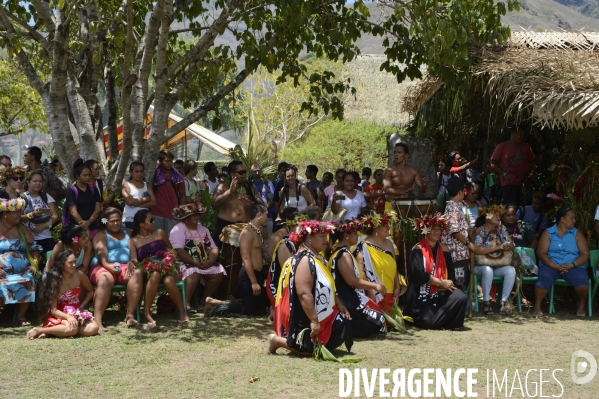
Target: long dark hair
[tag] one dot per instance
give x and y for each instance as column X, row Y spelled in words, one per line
column 51, row 284
column 68, row 232
column 138, row 219
column 78, row 167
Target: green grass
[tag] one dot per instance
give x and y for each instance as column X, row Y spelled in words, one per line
column 215, row 358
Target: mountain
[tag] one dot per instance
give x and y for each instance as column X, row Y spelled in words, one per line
column 586, row 7
column 543, row 15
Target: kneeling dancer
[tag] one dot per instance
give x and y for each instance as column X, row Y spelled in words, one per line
column 313, row 309
column 433, row 300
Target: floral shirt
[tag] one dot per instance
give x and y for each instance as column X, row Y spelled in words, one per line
column 457, row 224
column 494, row 238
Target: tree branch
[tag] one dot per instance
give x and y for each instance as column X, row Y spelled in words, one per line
column 207, row 106
column 35, row 34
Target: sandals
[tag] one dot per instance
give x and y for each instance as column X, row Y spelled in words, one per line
column 487, row 309
column 502, row 310
column 22, row 322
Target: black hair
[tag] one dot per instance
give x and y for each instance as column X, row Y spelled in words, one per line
column 68, row 232
column 36, row 152
column 448, row 160
column 356, row 175
column 328, row 175
column 138, row 219
column 208, row 166
column 281, row 166
column 312, row 212
column 189, row 166
column 561, row 212
column 5, row 157
column 255, row 209
column 289, row 213
column 78, row 168
column 453, row 154
column 109, row 211
column 378, row 170
column 91, row 163
column 404, row 146
column 470, row 185
column 511, row 206
column 313, row 169
column 366, row 171
column 178, row 162
column 454, row 186
column 340, row 170
column 232, row 166
column 33, row 173
column 134, row 165
column 163, row 154
column 51, row 285
column 480, row 220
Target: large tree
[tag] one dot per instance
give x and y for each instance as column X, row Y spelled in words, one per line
column 136, row 50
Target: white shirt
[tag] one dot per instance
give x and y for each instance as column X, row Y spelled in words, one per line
column 38, row 202
column 353, row 206
column 211, row 185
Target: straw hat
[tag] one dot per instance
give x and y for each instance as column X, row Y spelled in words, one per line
column 183, row 211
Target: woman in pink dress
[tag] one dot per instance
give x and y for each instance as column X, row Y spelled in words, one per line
column 59, row 305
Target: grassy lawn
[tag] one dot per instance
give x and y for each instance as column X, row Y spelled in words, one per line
column 215, row 358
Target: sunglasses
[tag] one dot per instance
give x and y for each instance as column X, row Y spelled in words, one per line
column 241, row 172
column 16, row 178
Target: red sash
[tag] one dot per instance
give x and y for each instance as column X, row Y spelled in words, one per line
column 440, row 269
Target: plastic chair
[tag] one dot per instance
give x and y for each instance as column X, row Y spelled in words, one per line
column 123, row 288
column 179, row 284
column 496, row 280
column 564, row 283
column 593, row 266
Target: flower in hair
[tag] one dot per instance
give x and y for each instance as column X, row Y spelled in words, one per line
column 104, row 220
column 349, row 227
column 491, row 210
column 310, row 227
column 378, row 219
column 425, row 224
column 75, row 240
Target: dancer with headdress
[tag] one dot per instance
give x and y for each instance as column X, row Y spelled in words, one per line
column 367, row 318
column 433, row 300
column 307, row 310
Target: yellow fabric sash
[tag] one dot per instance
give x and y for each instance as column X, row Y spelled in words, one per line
column 384, row 265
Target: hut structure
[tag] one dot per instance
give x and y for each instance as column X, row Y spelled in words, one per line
column 549, row 80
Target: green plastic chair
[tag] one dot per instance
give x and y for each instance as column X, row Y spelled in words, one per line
column 527, row 280
column 123, row 288
column 593, row 266
column 564, row 283
column 496, row 280
column 180, row 285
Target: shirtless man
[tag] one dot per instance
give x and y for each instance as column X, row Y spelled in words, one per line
column 399, row 178
column 253, row 274
column 233, row 200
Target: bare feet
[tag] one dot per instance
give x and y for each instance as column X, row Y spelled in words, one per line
column 209, row 303
column 272, row 344
column 101, row 327
column 33, row 333
column 130, row 321
column 183, row 323
column 149, row 318
column 581, row 312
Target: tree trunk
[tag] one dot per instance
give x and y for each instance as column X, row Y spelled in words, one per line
column 111, row 109
column 82, row 121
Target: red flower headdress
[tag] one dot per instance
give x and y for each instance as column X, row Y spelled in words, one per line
column 349, row 227
column 373, row 221
column 303, row 229
column 427, row 222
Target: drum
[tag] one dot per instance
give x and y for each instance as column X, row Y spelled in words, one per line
column 404, row 235
column 230, row 258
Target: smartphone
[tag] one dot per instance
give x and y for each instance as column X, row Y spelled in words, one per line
column 44, row 210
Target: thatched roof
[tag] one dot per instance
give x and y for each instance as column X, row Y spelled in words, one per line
column 548, row 78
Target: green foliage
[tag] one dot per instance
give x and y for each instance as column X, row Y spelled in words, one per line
column 20, row 105
column 341, row 144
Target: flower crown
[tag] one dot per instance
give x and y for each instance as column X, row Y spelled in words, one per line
column 299, row 218
column 305, row 228
column 349, row 227
column 425, row 224
column 10, row 172
column 373, row 221
column 491, row 210
column 15, row 204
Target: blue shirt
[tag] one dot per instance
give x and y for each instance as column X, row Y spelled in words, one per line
column 562, row 250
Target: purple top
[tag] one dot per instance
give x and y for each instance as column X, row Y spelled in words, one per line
column 150, row 249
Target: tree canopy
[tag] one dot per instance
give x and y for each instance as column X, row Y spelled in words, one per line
column 67, row 47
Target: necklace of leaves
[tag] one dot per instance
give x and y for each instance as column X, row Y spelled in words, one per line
column 240, row 190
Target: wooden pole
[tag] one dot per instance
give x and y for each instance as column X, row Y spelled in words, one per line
column 185, row 144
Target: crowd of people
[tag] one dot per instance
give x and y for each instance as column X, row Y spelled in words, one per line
column 318, row 257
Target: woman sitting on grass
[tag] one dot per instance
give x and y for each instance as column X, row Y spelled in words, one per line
column 308, row 309
column 147, row 243
column 59, row 306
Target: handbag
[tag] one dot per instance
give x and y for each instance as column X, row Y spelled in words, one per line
column 495, row 259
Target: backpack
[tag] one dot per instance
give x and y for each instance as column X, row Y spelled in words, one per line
column 65, row 209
